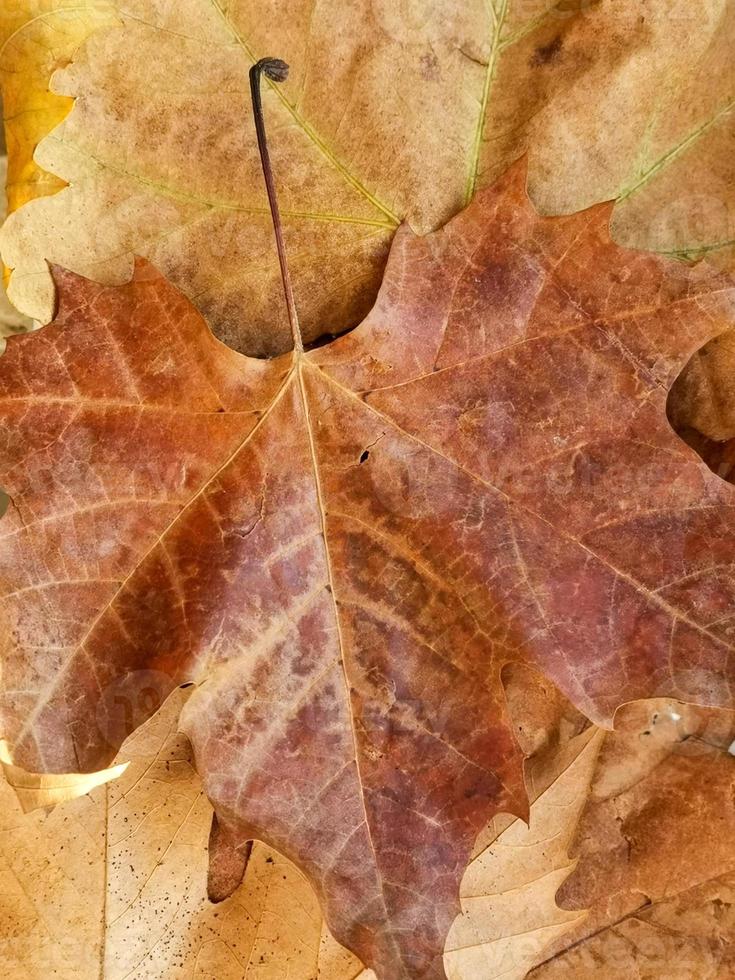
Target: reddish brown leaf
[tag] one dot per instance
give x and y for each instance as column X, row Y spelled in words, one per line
column 343, row 549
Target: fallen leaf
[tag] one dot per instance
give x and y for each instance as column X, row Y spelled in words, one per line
column 392, row 111
column 36, row 38
column 114, row 884
column 654, row 846
column 509, row 915
column 11, row 321
column 343, row 549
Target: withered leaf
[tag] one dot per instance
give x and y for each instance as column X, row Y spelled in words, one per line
column 654, row 845
column 114, row 884
column 393, row 111
column 343, row 549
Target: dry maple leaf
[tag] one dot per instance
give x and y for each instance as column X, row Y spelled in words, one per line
column 393, row 111
column 343, row 548
column 656, row 866
column 142, row 841
column 114, row 884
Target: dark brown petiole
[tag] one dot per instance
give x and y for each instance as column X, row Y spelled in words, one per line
column 277, row 71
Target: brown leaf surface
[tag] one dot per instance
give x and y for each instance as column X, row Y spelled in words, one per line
column 393, row 111
column 343, row 549
column 146, row 842
column 114, row 884
column 656, row 864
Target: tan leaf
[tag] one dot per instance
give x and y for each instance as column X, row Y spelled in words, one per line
column 11, row 321
column 509, row 915
column 393, row 110
column 52, row 888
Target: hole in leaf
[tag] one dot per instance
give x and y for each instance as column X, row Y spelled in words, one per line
column 365, row 456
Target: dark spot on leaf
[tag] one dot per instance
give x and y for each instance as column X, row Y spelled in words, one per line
column 547, row 52
column 365, row 456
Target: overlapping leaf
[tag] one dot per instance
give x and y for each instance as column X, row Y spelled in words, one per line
column 393, row 111
column 10, row 320
column 115, row 884
column 344, row 548
column 656, row 865
column 144, row 844
column 36, row 38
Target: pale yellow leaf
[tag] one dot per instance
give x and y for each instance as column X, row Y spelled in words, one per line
column 509, row 915
column 11, row 321
column 37, row 790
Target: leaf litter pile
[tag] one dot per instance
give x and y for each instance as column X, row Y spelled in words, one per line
column 395, row 587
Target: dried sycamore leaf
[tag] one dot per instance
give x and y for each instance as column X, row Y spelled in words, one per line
column 36, row 38
column 656, row 865
column 11, row 321
column 344, row 548
column 509, row 915
column 393, row 110
column 115, row 885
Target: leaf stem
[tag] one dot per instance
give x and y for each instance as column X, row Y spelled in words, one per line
column 277, row 71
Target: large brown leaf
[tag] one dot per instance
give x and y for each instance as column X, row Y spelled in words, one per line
column 394, row 110
column 344, row 548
